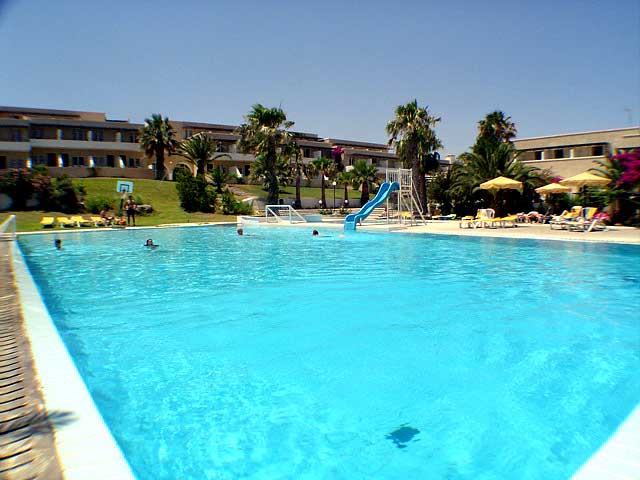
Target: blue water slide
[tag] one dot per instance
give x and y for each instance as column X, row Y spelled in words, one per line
column 383, row 193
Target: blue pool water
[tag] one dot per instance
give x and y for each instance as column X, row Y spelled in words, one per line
column 386, row 356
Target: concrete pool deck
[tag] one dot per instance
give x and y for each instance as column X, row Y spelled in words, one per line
column 618, row 457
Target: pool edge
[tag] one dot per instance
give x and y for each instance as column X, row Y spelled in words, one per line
column 85, row 446
column 619, row 457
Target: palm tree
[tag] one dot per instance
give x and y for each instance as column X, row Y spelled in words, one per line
column 497, row 126
column 157, row 138
column 327, row 169
column 264, row 134
column 366, row 176
column 219, row 177
column 298, row 168
column 199, row 150
column 346, row 179
column 412, row 133
column 488, row 160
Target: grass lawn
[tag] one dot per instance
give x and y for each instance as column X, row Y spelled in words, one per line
column 161, row 195
column 305, row 192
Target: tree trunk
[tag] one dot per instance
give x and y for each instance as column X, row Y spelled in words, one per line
column 364, row 197
column 160, row 163
column 298, row 203
column 324, row 202
column 201, row 167
column 416, row 176
column 345, row 201
column 273, row 189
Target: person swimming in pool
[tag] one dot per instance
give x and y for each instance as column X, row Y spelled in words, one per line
column 149, row 243
column 58, row 243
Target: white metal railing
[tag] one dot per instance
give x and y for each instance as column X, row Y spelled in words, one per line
column 8, row 229
column 408, row 198
column 280, row 213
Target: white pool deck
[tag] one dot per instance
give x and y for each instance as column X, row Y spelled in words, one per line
column 86, row 446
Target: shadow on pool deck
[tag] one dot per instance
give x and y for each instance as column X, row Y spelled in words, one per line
column 26, row 429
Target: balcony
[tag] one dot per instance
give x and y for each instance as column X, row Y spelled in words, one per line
column 15, row 147
column 84, row 145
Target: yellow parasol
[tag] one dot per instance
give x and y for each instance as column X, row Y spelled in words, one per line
column 585, row 179
column 552, row 188
column 501, row 183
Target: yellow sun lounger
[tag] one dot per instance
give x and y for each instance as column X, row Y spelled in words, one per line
column 562, row 219
column 81, row 221
column 584, row 221
column 66, row 222
column 48, row 222
column 97, row 221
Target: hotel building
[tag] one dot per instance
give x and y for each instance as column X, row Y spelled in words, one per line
column 572, row 153
column 83, row 144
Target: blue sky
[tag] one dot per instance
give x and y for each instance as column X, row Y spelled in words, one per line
column 338, row 69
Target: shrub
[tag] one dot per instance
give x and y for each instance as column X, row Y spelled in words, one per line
column 65, row 197
column 99, row 203
column 231, row 206
column 17, row 183
column 23, row 185
column 196, row 195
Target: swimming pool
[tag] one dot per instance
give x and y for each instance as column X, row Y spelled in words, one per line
column 380, row 356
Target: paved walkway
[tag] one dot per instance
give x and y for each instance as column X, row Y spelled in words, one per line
column 26, row 438
column 523, row 230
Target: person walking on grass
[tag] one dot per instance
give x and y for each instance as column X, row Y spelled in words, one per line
column 130, row 206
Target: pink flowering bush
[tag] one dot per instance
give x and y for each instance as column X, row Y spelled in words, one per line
column 630, row 163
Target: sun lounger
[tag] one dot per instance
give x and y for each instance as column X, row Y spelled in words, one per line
column 98, row 221
column 81, row 221
column 562, row 219
column 48, row 222
column 484, row 218
column 508, row 221
column 585, row 221
column 66, row 222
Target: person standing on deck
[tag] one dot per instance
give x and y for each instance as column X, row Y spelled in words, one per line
column 130, row 206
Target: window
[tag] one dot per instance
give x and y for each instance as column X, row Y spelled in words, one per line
column 77, row 161
column 374, row 162
column 111, row 161
column 558, row 153
column 222, row 148
column 16, row 163
column 64, row 159
column 597, row 151
column 247, row 170
column 37, row 132
column 78, row 134
column 16, row 135
column 97, row 135
column 132, row 137
column 3, row 163
column 99, row 161
column 188, row 133
column 307, row 153
column 52, row 159
column 537, row 155
column 38, row 160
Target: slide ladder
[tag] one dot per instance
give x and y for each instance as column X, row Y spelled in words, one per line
column 384, row 191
